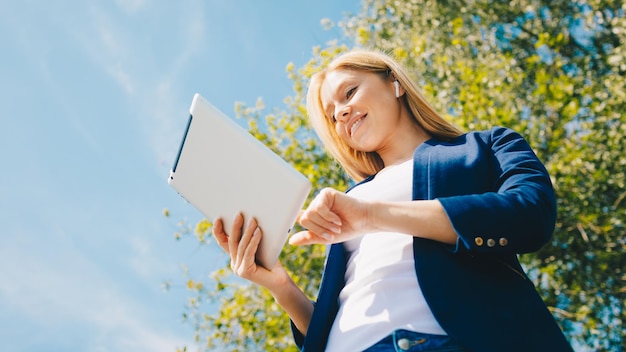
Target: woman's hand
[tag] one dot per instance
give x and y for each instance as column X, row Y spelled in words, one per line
column 332, row 217
column 241, row 245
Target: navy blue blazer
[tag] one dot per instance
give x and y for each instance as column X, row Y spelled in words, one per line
column 500, row 201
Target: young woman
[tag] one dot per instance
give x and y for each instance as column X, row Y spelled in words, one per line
column 423, row 250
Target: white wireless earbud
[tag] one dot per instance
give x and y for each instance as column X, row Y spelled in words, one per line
column 397, row 85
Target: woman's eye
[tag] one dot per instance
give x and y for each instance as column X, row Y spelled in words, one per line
column 350, row 92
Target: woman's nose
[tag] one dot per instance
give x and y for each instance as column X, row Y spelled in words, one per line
column 343, row 113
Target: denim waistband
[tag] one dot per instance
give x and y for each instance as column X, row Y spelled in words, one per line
column 410, row 341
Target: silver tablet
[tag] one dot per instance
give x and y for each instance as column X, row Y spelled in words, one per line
column 222, row 169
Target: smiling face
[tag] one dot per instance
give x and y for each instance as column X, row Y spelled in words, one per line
column 353, row 108
column 364, row 109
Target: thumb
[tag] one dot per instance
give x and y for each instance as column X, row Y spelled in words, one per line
column 307, row 237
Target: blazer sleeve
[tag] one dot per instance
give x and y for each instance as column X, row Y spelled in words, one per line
column 298, row 337
column 518, row 214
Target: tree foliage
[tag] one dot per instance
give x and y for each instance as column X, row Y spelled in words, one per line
column 553, row 70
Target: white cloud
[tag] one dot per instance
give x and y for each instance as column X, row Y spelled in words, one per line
column 130, row 6
column 134, row 60
column 37, row 42
column 122, row 77
column 143, row 260
column 163, row 111
column 108, row 45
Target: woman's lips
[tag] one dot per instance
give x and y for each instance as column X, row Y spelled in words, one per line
column 356, row 124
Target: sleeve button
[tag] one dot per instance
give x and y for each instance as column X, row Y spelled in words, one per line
column 478, row 241
column 491, row 242
column 503, row 241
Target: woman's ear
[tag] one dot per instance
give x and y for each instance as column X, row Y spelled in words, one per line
column 397, row 86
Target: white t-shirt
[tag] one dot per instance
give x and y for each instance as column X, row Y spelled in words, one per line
column 381, row 292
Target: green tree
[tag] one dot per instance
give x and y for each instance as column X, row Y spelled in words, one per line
column 554, row 71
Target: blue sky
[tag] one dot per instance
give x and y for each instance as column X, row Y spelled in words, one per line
column 94, row 96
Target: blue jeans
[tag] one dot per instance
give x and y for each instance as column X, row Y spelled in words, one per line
column 409, row 341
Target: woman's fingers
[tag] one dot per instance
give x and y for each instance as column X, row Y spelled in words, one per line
column 244, row 241
column 220, row 236
column 309, row 237
column 332, row 217
column 313, row 222
column 241, row 245
column 319, row 217
column 235, row 235
column 248, row 258
column 323, row 206
column 239, row 239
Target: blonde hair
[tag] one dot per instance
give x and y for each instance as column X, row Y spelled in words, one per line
column 359, row 164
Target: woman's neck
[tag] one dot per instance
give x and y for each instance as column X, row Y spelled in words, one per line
column 405, row 141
